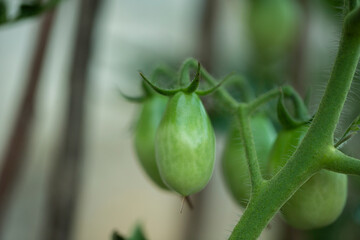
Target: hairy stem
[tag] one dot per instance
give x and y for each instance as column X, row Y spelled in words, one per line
column 331, row 105
column 317, row 143
column 249, row 145
column 269, row 199
column 342, row 163
column 262, row 99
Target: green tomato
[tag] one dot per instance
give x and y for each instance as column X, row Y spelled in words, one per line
column 319, row 201
column 185, row 145
column 234, row 165
column 273, row 25
column 149, row 120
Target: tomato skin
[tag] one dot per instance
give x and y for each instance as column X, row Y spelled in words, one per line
column 148, row 122
column 320, row 200
column 185, row 145
column 234, row 165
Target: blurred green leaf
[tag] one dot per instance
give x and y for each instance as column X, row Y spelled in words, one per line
column 137, row 234
column 3, row 13
column 30, row 10
column 116, row 236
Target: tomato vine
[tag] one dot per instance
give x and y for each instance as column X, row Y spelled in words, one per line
column 315, row 153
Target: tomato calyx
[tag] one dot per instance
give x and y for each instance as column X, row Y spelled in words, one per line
column 148, row 91
column 192, row 87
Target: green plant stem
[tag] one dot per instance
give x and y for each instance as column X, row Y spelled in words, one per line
column 269, row 199
column 184, row 71
column 301, row 111
column 311, row 154
column 262, row 99
column 342, row 163
column 331, row 105
column 246, row 92
column 243, row 118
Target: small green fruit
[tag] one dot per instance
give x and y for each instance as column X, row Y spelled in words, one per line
column 185, row 145
column 149, row 120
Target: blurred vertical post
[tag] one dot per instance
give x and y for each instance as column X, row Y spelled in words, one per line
column 65, row 178
column 206, row 41
column 205, row 56
column 14, row 159
column 298, row 63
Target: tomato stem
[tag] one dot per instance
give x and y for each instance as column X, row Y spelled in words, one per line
column 262, row 99
column 342, row 163
column 316, row 146
column 246, row 135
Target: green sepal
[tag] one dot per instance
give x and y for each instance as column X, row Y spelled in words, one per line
column 193, row 86
column 134, row 99
column 147, row 89
column 162, row 91
column 116, row 236
column 285, row 119
column 214, row 88
column 159, row 70
column 353, row 129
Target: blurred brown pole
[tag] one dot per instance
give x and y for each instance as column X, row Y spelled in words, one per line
column 14, row 159
column 298, row 63
column 205, row 55
column 206, row 41
column 66, row 175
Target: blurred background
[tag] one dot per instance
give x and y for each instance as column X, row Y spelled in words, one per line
column 68, row 164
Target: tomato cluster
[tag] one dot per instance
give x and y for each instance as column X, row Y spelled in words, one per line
column 317, row 203
column 175, row 143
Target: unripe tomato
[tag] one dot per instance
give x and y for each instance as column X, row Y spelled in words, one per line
column 234, row 165
column 273, row 25
column 321, row 199
column 185, row 145
column 149, row 120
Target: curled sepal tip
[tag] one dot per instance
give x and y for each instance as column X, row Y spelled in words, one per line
column 285, row 119
column 195, row 82
column 166, row 92
column 139, row 99
column 215, row 87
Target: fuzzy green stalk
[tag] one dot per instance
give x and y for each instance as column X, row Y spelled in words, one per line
column 316, row 149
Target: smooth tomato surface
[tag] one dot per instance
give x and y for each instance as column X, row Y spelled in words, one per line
column 320, row 200
column 185, row 145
